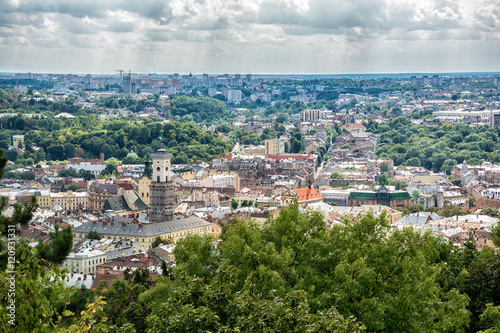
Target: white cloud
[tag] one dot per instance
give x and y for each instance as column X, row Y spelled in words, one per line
column 310, row 33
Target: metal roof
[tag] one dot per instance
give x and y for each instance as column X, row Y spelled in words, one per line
column 147, row 230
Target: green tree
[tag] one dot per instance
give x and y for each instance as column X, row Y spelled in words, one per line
column 234, row 203
column 61, row 244
column 337, row 175
column 93, row 234
column 384, row 167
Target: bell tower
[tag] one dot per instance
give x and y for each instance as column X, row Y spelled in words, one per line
column 162, row 195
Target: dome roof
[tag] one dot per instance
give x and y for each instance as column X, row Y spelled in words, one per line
column 132, row 154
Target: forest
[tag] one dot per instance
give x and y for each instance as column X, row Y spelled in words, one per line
column 85, row 136
column 437, row 148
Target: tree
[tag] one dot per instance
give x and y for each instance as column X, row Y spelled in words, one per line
column 384, row 179
column 74, row 187
column 234, row 203
column 295, row 259
column 337, row 175
column 61, row 244
column 384, row 167
column 111, row 166
column 93, row 234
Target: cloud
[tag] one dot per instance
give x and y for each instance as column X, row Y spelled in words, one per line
column 355, row 26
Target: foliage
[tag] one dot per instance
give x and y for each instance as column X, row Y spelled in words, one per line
column 437, row 148
column 93, row 234
column 388, row 282
column 157, row 241
column 234, row 203
column 61, row 244
column 22, row 214
column 85, row 136
column 201, row 109
column 40, row 296
column 337, row 175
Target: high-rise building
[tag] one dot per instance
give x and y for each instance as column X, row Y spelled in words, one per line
column 275, row 146
column 128, row 85
column 312, row 114
column 162, row 195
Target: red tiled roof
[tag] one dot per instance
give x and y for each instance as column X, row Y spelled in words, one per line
column 348, row 126
column 305, row 194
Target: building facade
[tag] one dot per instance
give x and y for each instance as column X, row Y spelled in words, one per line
column 70, row 201
column 85, row 262
column 380, row 197
column 275, row 146
column 312, row 115
column 162, row 196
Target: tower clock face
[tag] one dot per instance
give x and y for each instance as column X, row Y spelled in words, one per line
column 158, row 169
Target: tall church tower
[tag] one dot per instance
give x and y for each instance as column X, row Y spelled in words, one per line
column 162, row 196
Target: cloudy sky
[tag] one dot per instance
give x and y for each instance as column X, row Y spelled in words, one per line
column 249, row 36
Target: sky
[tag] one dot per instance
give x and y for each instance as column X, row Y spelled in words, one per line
column 249, row 36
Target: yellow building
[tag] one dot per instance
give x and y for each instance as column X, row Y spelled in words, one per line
column 275, row 146
column 302, row 195
column 145, row 181
column 70, row 201
column 44, row 201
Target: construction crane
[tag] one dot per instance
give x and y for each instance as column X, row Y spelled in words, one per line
column 121, row 75
column 128, row 86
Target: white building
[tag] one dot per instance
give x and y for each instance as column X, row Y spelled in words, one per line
column 85, row 261
column 95, row 169
column 234, row 96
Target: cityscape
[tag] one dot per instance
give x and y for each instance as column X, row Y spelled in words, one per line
column 268, row 166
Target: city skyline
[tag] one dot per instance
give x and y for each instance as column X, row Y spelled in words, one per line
column 278, row 37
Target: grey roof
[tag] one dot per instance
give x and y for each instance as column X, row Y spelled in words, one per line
column 178, row 223
column 119, row 204
column 111, row 188
column 418, row 218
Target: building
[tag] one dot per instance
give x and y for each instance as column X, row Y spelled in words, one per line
column 145, row 181
column 312, row 115
column 99, row 192
column 18, row 141
column 143, row 235
column 353, row 127
column 380, row 197
column 162, row 196
column 275, row 146
column 234, row 96
column 70, row 201
column 303, row 196
column 95, row 166
column 125, row 204
column 84, row 261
